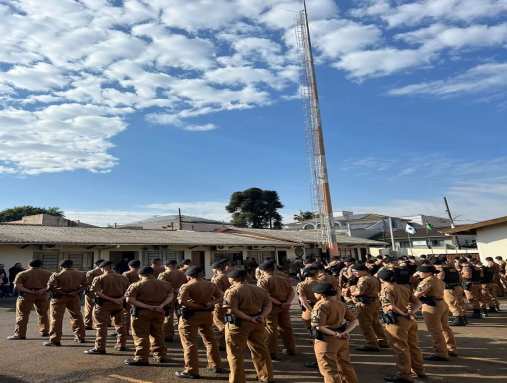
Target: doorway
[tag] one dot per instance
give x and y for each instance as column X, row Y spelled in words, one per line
column 121, row 259
column 198, row 258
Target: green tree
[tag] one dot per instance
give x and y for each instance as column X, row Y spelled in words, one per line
column 18, row 212
column 255, row 208
column 305, row 216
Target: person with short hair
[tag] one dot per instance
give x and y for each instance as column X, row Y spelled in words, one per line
column 133, row 272
column 220, row 279
column 65, row 288
column 31, row 285
column 89, row 298
column 4, row 282
column 157, row 267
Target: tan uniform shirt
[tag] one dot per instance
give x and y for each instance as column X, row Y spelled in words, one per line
column 431, row 286
column 111, row 284
column 277, row 286
column 368, row 286
column 175, row 277
column 33, row 279
column 330, row 313
column 67, row 281
column 221, row 281
column 198, row 291
column 90, row 275
column 248, row 298
column 326, row 278
column 397, row 295
column 305, row 290
column 132, row 276
column 149, row 291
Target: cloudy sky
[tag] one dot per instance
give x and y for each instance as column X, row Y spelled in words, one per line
column 118, row 110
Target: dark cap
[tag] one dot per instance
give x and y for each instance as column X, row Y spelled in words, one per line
column 324, row 288
column 147, row 270
column 193, row 271
column 267, row 266
column 98, row 262
column 135, row 263
column 66, row 264
column 309, row 272
column 439, row 262
column 35, row 263
column 106, row 264
column 237, row 274
column 348, row 259
column 426, row 269
column 386, row 275
column 219, row 263
column 359, row 267
column 172, row 262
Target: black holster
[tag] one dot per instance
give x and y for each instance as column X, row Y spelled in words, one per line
column 135, row 311
column 320, row 336
column 430, row 301
column 99, row 301
column 231, row 319
column 389, row 317
column 365, row 300
column 467, row 286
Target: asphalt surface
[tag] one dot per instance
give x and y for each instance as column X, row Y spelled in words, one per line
column 482, row 347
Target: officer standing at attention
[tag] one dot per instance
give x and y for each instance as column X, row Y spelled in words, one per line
column 65, row 288
column 133, row 272
column 366, row 295
column 399, row 307
column 197, row 299
column 307, row 298
column 148, row 297
column 430, row 292
column 471, row 277
column 454, row 295
column 109, row 289
column 31, row 285
column 282, row 294
column 176, row 278
column 221, row 280
column 89, row 299
column 247, row 306
column 332, row 323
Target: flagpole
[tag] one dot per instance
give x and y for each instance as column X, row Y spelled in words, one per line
column 410, row 244
column 392, row 235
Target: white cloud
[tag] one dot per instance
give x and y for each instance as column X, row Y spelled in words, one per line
column 200, row 128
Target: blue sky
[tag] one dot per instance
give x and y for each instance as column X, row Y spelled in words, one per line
column 116, row 111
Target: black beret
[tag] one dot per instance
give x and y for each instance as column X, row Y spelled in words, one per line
column 348, row 259
column 172, row 262
column 67, row 264
column 219, row 263
column 324, row 288
column 267, row 266
column 426, row 269
column 439, row 262
column 193, row 271
column 135, row 263
column 386, row 275
column 309, row 271
column 359, row 267
column 146, row 270
column 35, row 263
column 309, row 258
column 106, row 264
column 237, row 274
column 98, row 262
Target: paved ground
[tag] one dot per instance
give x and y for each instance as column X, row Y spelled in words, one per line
column 482, row 348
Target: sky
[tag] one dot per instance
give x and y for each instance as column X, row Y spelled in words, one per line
column 118, row 110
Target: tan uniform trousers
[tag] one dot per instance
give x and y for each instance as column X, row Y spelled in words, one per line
column 278, row 323
column 148, row 324
column 102, row 315
column 333, row 358
column 169, row 322
column 307, row 318
column 24, row 305
column 489, row 293
column 58, row 307
column 219, row 325
column 253, row 336
column 403, row 340
column 201, row 322
column 473, row 296
column 455, row 299
column 372, row 330
column 436, row 320
column 89, row 301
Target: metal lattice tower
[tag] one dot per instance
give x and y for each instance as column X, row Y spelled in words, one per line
column 321, row 195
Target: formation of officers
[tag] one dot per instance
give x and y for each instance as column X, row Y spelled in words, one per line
column 235, row 312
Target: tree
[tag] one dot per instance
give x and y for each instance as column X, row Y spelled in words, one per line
column 255, row 208
column 18, row 212
column 305, row 216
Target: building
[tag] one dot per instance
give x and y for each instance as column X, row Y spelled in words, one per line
column 176, row 222
column 48, row 220
column 85, row 245
column 424, row 220
column 491, row 236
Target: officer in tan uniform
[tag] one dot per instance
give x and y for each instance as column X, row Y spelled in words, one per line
column 109, row 289
column 490, row 285
column 221, row 280
column 471, row 277
column 282, row 294
column 430, row 292
column 148, row 297
column 332, row 323
column 157, row 267
column 247, row 306
column 454, row 295
column 132, row 274
column 307, row 298
column 366, row 296
column 89, row 299
column 399, row 307
column 65, row 288
column 197, row 299
column 31, row 285
column 176, row 278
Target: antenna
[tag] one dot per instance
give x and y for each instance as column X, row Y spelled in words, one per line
column 314, row 136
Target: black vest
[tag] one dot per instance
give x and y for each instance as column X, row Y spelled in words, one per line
column 451, row 278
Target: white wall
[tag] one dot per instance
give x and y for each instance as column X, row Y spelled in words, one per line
column 9, row 255
column 492, row 241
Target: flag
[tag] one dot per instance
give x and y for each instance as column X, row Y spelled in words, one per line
column 429, row 226
column 410, row 229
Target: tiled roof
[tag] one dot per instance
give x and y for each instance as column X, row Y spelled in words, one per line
column 472, row 228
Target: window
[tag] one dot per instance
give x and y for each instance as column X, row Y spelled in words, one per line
column 261, row 256
column 51, row 259
column 234, row 257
